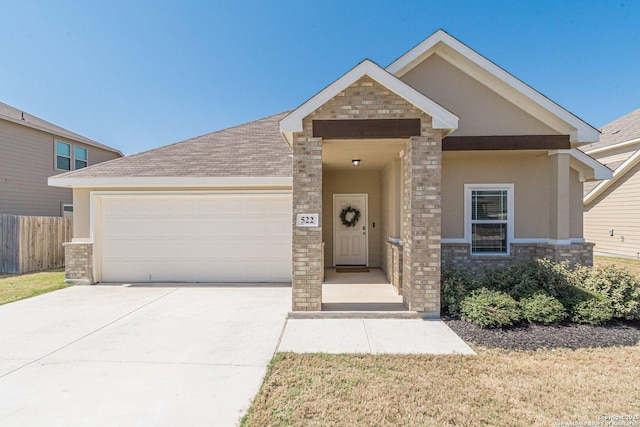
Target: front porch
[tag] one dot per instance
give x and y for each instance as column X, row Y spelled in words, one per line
column 366, row 116
column 360, row 292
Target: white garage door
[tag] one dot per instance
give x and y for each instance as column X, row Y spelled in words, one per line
column 194, row 237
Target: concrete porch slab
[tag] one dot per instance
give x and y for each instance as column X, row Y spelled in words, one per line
column 356, row 290
column 376, row 336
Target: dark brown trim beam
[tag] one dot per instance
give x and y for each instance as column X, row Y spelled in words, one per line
column 506, row 142
column 366, row 128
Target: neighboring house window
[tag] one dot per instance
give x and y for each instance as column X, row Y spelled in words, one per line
column 80, row 155
column 64, row 160
column 489, row 218
column 67, row 211
column 63, row 156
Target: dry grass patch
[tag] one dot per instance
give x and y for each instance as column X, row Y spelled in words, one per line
column 14, row 287
column 498, row 387
column 631, row 265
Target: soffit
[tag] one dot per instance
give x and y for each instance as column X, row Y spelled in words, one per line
column 374, row 154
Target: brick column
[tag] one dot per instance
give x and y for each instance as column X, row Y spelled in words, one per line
column 422, row 223
column 78, row 264
column 307, row 249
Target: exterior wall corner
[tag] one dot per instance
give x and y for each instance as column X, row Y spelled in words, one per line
column 79, row 263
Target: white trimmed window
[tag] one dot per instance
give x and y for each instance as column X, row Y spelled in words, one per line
column 64, row 159
column 80, row 155
column 489, row 218
column 63, row 156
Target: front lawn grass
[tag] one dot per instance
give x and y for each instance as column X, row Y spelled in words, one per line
column 14, row 287
column 631, row 265
column 498, row 387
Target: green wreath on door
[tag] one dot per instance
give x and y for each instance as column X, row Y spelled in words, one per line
column 349, row 223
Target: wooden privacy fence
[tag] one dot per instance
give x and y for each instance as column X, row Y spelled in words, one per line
column 32, row 243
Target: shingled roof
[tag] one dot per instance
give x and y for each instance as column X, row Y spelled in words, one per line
column 254, row 149
column 624, row 129
column 12, row 114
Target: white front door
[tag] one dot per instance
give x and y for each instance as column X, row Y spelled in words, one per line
column 350, row 229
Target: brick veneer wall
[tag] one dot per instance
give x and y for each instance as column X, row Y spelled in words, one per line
column 396, row 278
column 458, row 255
column 78, row 263
column 422, row 222
column 307, row 251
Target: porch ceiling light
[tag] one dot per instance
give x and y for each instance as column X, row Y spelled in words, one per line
column 355, row 162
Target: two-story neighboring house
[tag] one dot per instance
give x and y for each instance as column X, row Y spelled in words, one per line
column 32, row 150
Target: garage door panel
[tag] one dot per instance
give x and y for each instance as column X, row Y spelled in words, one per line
column 203, row 238
column 169, row 227
column 281, row 227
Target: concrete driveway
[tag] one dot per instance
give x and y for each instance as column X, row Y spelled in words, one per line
column 138, row 355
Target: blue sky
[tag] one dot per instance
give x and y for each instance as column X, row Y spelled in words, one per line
column 139, row 74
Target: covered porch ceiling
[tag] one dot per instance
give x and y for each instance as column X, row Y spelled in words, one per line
column 374, row 154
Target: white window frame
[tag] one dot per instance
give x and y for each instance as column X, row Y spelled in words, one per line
column 86, row 161
column 71, row 157
column 65, row 213
column 468, row 235
column 56, row 155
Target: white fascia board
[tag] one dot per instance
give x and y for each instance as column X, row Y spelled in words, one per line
column 613, row 146
column 600, row 171
column 171, row 182
column 617, row 174
column 585, row 164
column 583, row 133
column 442, row 118
column 413, row 57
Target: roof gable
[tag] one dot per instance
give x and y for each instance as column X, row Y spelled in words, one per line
column 621, row 134
column 13, row 115
column 498, row 80
column 617, row 174
column 442, row 118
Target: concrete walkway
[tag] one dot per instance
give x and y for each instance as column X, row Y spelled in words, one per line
column 397, row 336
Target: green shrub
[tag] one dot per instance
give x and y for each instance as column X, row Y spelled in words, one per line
column 619, row 286
column 588, row 295
column 490, row 309
column 456, row 285
column 542, row 308
column 585, row 306
column 594, row 311
column 525, row 280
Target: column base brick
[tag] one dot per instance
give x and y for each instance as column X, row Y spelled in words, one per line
column 78, row 263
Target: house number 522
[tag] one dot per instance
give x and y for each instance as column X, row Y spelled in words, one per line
column 307, row 220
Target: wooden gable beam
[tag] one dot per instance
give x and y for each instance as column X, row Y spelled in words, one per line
column 506, row 142
column 366, row 128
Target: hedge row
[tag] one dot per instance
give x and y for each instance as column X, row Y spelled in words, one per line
column 543, row 292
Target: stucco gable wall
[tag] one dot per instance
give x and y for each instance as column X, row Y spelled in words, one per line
column 482, row 112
